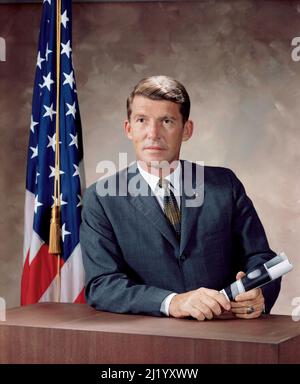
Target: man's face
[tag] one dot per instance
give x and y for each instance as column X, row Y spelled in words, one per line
column 156, row 129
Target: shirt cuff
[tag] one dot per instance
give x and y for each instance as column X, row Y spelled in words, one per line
column 164, row 308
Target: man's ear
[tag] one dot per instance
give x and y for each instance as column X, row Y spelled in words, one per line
column 187, row 130
column 127, row 129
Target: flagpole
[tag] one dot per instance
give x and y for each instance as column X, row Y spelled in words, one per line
column 55, row 227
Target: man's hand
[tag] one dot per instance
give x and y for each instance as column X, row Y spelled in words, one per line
column 248, row 305
column 203, row 303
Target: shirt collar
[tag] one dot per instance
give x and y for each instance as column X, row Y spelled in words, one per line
column 174, row 178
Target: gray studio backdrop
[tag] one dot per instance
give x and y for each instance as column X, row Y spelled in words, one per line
column 234, row 58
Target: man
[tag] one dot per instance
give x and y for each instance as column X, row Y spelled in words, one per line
column 147, row 248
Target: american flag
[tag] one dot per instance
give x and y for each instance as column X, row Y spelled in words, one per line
column 39, row 282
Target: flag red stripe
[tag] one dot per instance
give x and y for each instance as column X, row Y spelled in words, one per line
column 80, row 299
column 38, row 275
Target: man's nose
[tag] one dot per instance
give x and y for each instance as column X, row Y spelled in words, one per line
column 153, row 130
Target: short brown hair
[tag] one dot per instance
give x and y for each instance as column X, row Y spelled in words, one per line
column 162, row 88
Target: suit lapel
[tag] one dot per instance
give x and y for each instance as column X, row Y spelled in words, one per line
column 192, row 189
column 147, row 204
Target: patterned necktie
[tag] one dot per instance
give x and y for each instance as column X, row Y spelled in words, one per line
column 171, row 209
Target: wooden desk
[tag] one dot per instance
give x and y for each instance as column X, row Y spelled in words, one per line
column 76, row 333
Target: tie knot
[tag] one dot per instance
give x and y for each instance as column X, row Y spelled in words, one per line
column 163, row 183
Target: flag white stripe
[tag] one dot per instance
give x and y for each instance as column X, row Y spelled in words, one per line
column 72, row 280
column 35, row 246
column 51, row 292
column 32, row 241
column 28, row 222
column 72, row 276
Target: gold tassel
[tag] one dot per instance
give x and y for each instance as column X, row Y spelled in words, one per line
column 55, row 231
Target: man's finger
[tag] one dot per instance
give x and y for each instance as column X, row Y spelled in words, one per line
column 196, row 314
column 220, row 298
column 205, row 310
column 212, row 304
column 240, row 274
column 246, row 303
column 248, row 310
column 250, row 295
column 253, row 315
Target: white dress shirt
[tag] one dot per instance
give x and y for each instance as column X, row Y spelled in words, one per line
column 175, row 185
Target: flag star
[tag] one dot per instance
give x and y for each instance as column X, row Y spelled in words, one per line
column 64, row 232
column 66, row 48
column 64, row 19
column 37, row 175
column 72, row 109
column 47, row 81
column 69, row 79
column 74, row 140
column 80, row 201
column 61, row 201
column 76, row 173
column 52, row 174
column 33, row 124
column 49, row 111
column 47, row 52
column 52, row 141
column 39, row 60
column 36, row 204
column 34, row 151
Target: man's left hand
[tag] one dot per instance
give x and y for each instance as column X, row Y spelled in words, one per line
column 248, row 305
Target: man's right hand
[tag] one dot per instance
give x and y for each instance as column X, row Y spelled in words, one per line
column 203, row 303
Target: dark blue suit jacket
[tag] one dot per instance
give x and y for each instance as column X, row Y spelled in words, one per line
column 132, row 258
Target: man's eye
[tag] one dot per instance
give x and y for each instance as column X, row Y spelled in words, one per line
column 141, row 120
column 167, row 121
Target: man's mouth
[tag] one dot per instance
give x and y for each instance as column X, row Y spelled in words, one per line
column 154, row 148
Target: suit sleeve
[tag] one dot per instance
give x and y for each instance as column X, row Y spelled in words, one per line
column 250, row 244
column 110, row 284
